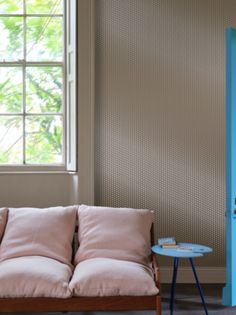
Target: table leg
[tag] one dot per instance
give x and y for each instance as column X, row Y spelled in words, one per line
column 198, row 285
column 172, row 297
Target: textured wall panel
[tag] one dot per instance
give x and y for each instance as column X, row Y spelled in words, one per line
column 160, row 114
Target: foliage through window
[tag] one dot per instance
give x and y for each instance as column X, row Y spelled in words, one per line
column 32, row 82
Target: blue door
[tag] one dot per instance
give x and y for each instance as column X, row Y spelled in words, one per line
column 229, row 291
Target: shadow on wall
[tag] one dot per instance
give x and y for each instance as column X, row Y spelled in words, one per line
column 160, row 114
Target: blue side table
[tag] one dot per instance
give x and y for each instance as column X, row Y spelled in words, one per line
column 197, row 251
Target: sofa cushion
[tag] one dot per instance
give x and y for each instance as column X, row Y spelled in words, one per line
column 118, row 233
column 34, row 277
column 41, row 232
column 112, row 277
column 3, row 221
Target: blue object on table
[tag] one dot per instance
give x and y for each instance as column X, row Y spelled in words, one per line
column 196, row 251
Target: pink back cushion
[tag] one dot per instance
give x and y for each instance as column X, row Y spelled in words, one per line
column 42, row 232
column 118, row 233
column 3, row 221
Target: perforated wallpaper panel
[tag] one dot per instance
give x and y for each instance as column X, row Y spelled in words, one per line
column 160, row 114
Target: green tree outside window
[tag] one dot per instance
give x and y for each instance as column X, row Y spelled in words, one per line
column 31, row 82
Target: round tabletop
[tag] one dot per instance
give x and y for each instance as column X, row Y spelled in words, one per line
column 184, row 250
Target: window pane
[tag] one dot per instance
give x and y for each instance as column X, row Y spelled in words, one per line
column 44, row 140
column 49, row 6
column 11, row 6
column 44, row 39
column 10, row 89
column 11, row 30
column 11, row 140
column 44, row 89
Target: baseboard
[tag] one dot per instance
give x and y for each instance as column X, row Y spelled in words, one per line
column 185, row 274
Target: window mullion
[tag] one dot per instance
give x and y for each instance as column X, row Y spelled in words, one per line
column 31, row 15
column 24, row 84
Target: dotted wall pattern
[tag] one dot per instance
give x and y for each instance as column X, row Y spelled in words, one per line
column 160, row 114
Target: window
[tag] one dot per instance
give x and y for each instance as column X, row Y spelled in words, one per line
column 35, row 110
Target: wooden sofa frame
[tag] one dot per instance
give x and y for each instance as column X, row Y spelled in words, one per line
column 83, row 304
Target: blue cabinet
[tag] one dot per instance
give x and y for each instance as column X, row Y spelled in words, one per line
column 229, row 291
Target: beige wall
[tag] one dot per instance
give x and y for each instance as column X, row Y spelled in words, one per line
column 160, row 120
column 37, row 190
column 160, row 114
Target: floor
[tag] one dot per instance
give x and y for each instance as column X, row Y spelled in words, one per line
column 187, row 302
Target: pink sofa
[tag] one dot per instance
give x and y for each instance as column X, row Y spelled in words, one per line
column 112, row 268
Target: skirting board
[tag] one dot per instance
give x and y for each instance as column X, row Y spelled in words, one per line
column 185, row 274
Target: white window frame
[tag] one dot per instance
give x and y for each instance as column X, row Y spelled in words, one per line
column 71, row 84
column 69, row 112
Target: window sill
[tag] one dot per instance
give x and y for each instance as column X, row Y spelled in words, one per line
column 37, row 173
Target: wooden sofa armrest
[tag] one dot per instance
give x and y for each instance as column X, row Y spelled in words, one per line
column 154, row 261
column 156, row 270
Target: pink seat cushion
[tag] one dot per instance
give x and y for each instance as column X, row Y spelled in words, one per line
column 34, row 277
column 118, row 233
column 111, row 277
column 41, row 232
column 3, row 221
